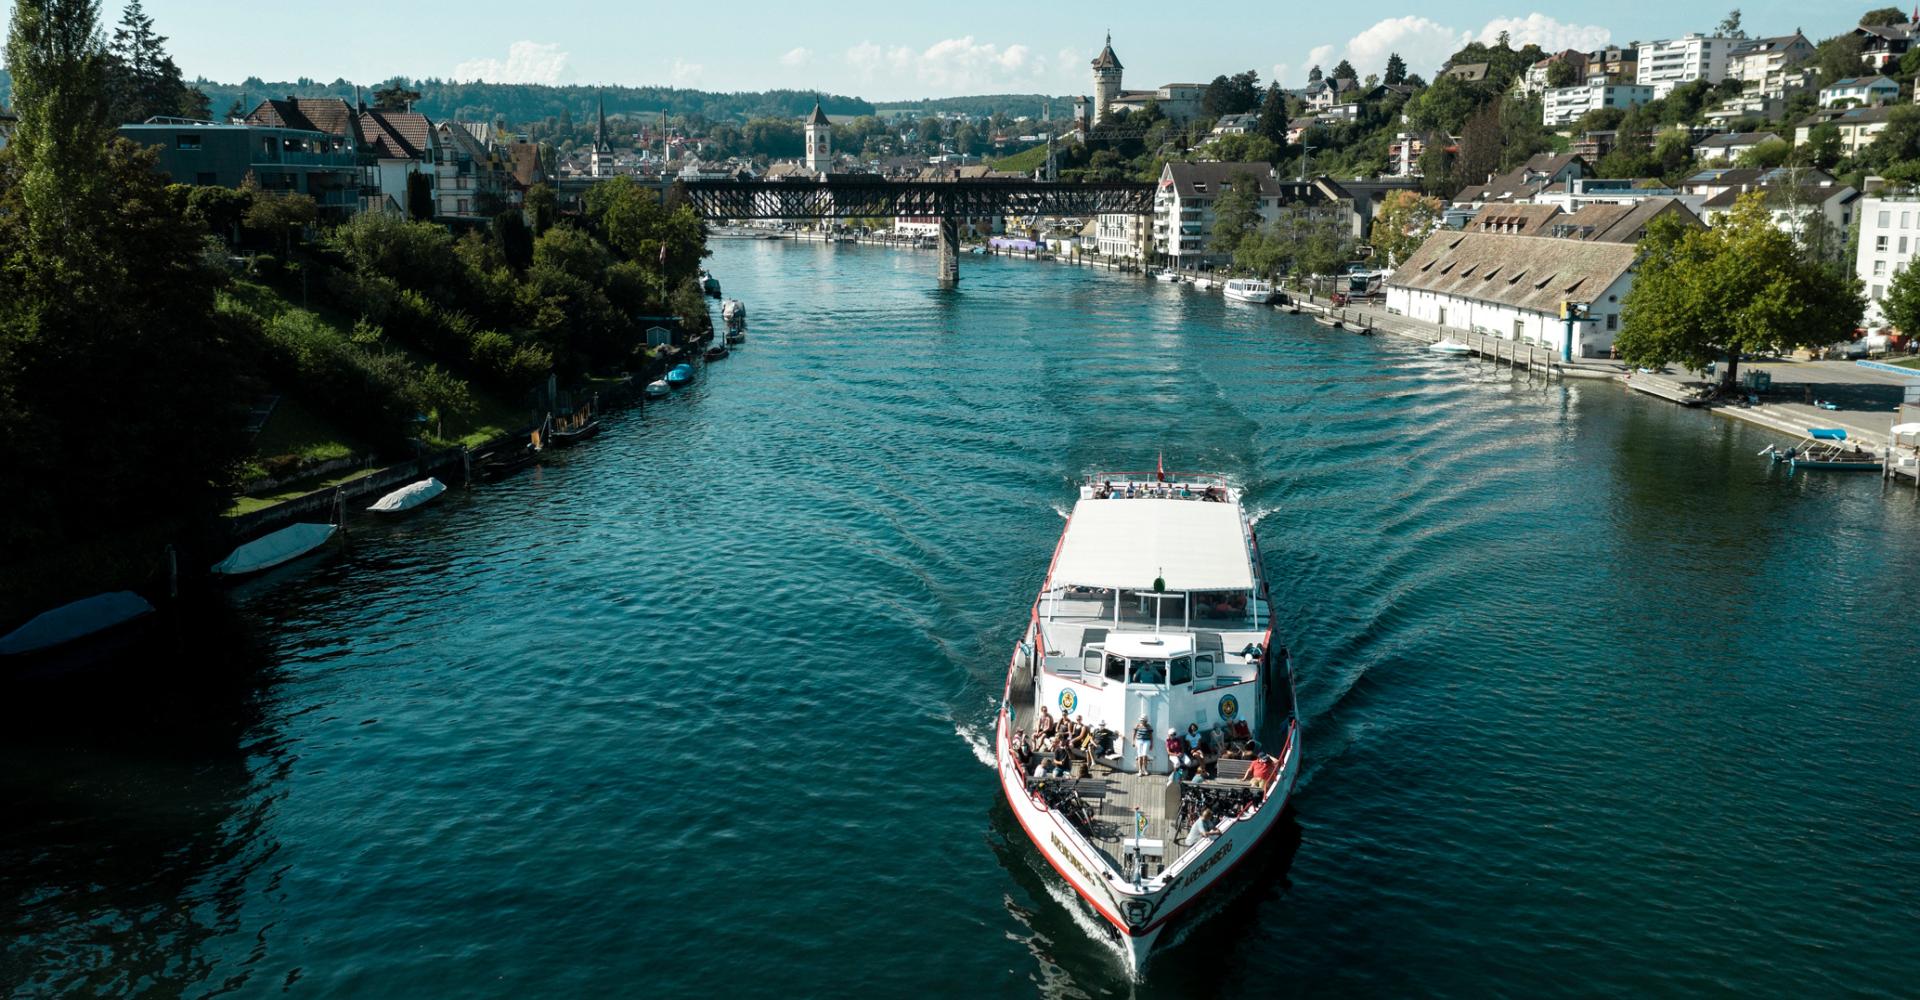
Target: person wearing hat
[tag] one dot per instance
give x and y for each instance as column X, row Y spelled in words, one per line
column 1177, row 758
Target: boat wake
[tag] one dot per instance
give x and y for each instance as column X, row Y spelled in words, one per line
column 980, row 743
column 1060, row 509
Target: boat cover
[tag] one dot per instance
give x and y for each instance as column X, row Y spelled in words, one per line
column 1827, row 433
column 1905, row 429
column 409, row 497
column 1125, row 544
column 75, row 621
column 267, row 551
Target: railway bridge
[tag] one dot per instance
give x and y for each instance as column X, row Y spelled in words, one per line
column 864, row 196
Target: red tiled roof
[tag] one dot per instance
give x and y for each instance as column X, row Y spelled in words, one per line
column 315, row 114
column 395, row 135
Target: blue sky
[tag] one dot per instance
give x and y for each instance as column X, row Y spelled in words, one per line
column 894, row 50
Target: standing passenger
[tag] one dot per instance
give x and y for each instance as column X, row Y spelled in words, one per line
column 1143, row 746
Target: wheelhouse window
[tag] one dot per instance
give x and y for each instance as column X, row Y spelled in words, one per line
column 1116, row 668
column 1180, row 670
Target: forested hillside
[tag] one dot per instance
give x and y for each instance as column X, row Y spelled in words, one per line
column 527, row 102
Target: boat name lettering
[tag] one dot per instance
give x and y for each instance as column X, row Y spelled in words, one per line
column 1072, row 858
column 1225, row 848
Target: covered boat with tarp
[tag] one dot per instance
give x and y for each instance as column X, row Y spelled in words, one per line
column 409, row 497
column 277, row 548
column 73, row 634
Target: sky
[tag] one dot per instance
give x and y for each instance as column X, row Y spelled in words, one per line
column 901, row 49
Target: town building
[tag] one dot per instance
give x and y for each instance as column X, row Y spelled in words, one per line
column 1239, row 124
column 1794, row 206
column 1889, row 238
column 1727, row 146
column 469, row 172
column 1179, row 101
column 395, row 147
column 1562, row 106
column 977, row 227
column 1183, row 204
column 1518, row 288
column 1667, row 64
column 819, row 141
column 1467, row 72
column 1858, row 127
column 1124, row 236
column 1859, row 92
column 1618, row 63
column 1534, row 81
column 1760, row 63
column 1541, row 171
column 601, row 158
column 1106, row 79
column 273, row 158
column 1883, row 44
column 1327, row 92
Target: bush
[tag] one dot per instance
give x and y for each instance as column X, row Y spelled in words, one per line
column 502, row 363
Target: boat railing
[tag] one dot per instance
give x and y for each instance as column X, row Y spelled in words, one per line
column 1211, row 478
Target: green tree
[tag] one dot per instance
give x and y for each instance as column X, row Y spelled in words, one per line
column 1901, row 304
column 395, row 96
column 1236, row 213
column 1562, row 73
column 1772, row 153
column 1823, row 148
column 1396, row 69
column 1739, row 288
column 1345, row 71
column 541, row 206
column 220, row 210
column 1246, row 147
column 1404, row 221
column 281, row 216
column 59, row 95
column 1272, row 124
column 1837, row 58
column 1231, row 95
column 1883, row 16
column 1730, row 25
column 420, row 197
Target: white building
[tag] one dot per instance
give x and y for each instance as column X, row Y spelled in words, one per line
column 1123, row 237
column 1889, row 238
column 1667, row 64
column 1562, row 106
column 1516, row 287
column 1184, row 202
column 1859, row 91
column 819, row 141
column 1179, row 101
column 1728, row 146
column 1756, row 62
column 1858, row 127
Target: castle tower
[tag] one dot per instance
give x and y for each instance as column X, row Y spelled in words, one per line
column 819, row 141
column 1106, row 79
column 602, row 163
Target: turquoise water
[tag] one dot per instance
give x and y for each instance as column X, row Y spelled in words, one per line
column 1596, row 701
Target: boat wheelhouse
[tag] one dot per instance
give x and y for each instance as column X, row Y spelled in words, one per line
column 1153, row 617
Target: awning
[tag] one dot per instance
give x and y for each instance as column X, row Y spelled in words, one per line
column 1827, row 433
column 1905, row 429
column 1125, row 544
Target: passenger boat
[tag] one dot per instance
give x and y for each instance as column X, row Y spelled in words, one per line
column 658, row 387
column 409, row 497
column 1827, row 450
column 277, row 548
column 1252, row 290
column 1154, row 610
column 1448, row 345
column 680, row 376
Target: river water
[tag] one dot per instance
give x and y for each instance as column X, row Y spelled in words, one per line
column 1596, row 701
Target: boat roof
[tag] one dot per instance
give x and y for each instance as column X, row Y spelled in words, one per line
column 1828, row 433
column 1126, row 543
column 1154, row 645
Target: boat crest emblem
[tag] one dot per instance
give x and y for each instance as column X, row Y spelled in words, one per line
column 1229, row 706
column 1067, row 700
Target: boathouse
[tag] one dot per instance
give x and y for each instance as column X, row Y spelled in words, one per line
column 1517, row 287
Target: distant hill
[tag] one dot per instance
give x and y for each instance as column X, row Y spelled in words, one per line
column 520, row 103
column 984, row 105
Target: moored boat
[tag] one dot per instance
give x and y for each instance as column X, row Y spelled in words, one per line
column 409, row 497
column 1171, row 277
column 504, row 462
column 276, row 548
column 715, row 352
column 658, row 387
column 1254, row 290
column 1827, row 449
column 1448, row 345
column 680, row 376
column 1152, row 625
column 710, row 284
column 73, row 635
column 565, row 432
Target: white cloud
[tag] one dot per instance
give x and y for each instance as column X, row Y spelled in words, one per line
column 684, row 72
column 1549, row 34
column 1425, row 44
column 797, row 57
column 960, row 65
column 526, row 62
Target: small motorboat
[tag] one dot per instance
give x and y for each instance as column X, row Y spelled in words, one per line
column 506, row 461
column 1827, row 449
column 1169, row 277
column 1448, row 345
column 283, row 546
column 409, row 497
column 680, row 376
column 88, row 620
column 658, row 387
column 1252, row 290
column 716, row 352
column 1203, row 284
column 710, row 284
column 1325, row 319
column 736, row 337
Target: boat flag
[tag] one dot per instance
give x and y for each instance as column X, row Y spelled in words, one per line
column 1160, row 467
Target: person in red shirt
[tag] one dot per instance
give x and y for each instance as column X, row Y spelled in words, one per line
column 1261, row 772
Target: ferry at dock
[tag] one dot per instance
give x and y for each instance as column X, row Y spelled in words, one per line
column 1153, row 615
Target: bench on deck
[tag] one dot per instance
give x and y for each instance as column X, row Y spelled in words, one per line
column 1232, row 769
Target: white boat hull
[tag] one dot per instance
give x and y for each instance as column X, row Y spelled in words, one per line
column 409, row 497
column 1139, row 915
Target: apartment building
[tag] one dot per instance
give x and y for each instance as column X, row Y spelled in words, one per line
column 1562, row 106
column 1889, row 238
column 1184, row 202
column 1665, row 65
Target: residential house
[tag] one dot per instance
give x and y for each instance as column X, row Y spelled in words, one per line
column 526, row 164
column 395, row 146
column 1521, row 184
column 1595, row 145
column 1859, row 92
column 1124, row 236
column 1722, row 179
column 1727, row 147
column 1576, row 195
column 1517, row 288
column 1884, row 44
column 1667, row 64
column 1513, row 220
column 1327, row 92
column 1615, row 62
column 1602, row 222
column 1760, row 64
column 1858, row 127
column 469, row 172
column 278, row 159
column 1239, row 124
column 1534, row 81
column 1889, row 239
column 1794, row 207
column 1184, row 203
column 1562, row 106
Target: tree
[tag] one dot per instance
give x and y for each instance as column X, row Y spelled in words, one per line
column 541, row 206
column 1404, row 221
column 1236, row 213
column 1823, row 148
column 1231, row 95
column 1396, row 69
column 1479, row 147
column 1739, row 288
column 395, row 96
column 59, row 95
column 280, row 216
column 1249, row 147
column 144, row 82
column 1839, row 57
column 1772, row 153
column 1273, row 116
column 1730, row 25
column 1437, row 165
column 1901, row 305
column 1883, row 17
column 1345, row 71
column 1562, row 73
column 1314, row 75
column 420, row 197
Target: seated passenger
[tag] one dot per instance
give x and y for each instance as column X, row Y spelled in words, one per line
column 1261, row 772
column 1193, row 736
column 1202, row 828
column 1240, row 738
column 1043, row 727
column 1177, row 758
column 1103, row 740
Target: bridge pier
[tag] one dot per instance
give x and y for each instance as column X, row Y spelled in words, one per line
column 949, row 252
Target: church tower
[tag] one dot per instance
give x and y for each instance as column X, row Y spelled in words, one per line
column 1106, row 79
column 819, row 141
column 602, row 163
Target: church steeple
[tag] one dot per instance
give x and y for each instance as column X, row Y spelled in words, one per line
column 601, row 143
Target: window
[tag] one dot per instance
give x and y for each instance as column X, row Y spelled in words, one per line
column 1613, row 321
column 1903, row 244
column 1880, row 244
column 1879, row 268
column 1885, row 219
column 1203, row 666
column 1181, row 670
column 186, row 141
column 1116, row 668
column 1878, row 292
column 1906, row 219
